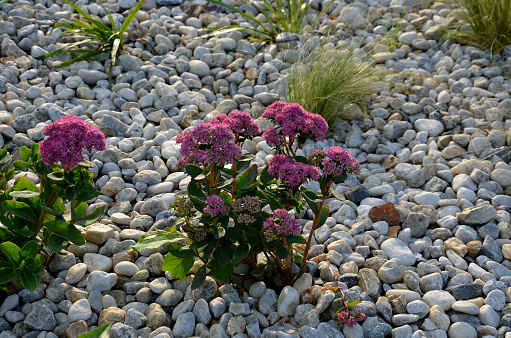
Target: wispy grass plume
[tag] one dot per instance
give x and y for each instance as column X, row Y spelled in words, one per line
column 332, row 82
column 487, row 24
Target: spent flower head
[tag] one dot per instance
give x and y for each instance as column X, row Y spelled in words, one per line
column 216, row 206
column 293, row 173
column 66, row 138
column 209, row 142
column 183, row 206
column 279, row 225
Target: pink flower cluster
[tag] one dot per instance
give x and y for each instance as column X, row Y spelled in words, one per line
column 291, row 120
column 216, row 206
column 240, row 122
column 343, row 317
column 210, row 142
column 334, row 161
column 246, row 207
column 286, row 169
column 280, row 224
column 67, row 137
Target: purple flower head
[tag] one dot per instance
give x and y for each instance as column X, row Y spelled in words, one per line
column 279, row 225
column 210, row 142
column 294, row 173
column 216, row 206
column 316, row 127
column 67, row 137
column 240, row 122
column 335, row 161
column 292, row 119
column 274, row 109
column 273, row 138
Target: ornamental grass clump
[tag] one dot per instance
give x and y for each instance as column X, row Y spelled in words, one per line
column 108, row 41
column 235, row 212
column 484, row 23
column 36, row 224
column 332, row 82
column 284, row 16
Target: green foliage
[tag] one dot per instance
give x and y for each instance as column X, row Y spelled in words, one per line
column 89, row 30
column 332, row 82
column 36, row 224
column 288, row 16
column 396, row 27
column 100, row 332
column 484, row 23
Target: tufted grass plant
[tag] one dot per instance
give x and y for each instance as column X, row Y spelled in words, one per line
column 485, row 24
column 333, row 82
column 91, row 29
column 285, row 16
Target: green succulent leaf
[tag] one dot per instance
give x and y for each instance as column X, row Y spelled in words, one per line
column 30, row 250
column 12, row 252
column 29, row 280
column 155, row 239
column 178, row 267
column 66, row 230
column 322, row 216
column 353, row 302
column 247, row 178
column 337, row 304
column 24, row 194
column 222, row 255
column 7, row 274
column 223, row 273
column 199, row 279
column 240, row 252
column 90, row 218
column 100, row 332
column 25, row 153
column 19, row 209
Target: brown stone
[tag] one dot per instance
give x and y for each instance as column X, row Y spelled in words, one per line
column 369, row 281
column 456, row 245
column 473, row 248
column 390, row 162
column 398, row 303
column 311, row 295
column 386, row 212
column 76, row 329
column 129, row 255
column 119, row 296
column 393, row 231
column 111, row 315
column 396, row 117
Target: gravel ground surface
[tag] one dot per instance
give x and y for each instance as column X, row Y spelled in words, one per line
column 423, row 238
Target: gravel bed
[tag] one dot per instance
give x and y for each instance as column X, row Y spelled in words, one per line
column 423, row 237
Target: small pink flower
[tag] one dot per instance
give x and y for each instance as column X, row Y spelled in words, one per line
column 67, row 137
column 334, row 161
column 210, row 142
column 291, row 172
column 216, row 206
column 280, row 224
column 240, row 122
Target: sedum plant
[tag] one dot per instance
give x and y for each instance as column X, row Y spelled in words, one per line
column 38, row 221
column 287, row 16
column 92, row 30
column 236, row 213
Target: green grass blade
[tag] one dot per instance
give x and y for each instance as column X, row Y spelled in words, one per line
column 112, row 22
column 130, row 17
column 274, row 31
column 313, row 24
column 234, row 9
column 234, row 28
column 85, row 56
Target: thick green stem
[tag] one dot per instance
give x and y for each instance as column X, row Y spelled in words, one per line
column 40, row 222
